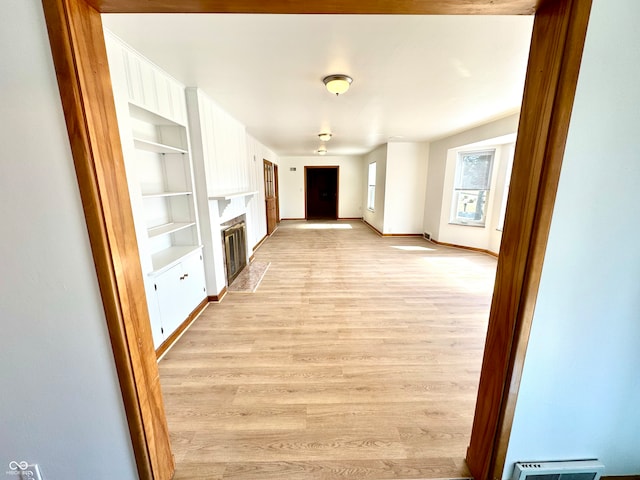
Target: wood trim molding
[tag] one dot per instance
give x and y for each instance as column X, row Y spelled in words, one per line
column 292, row 218
column 554, row 61
column 259, row 244
column 464, row 247
column 399, row 7
column 402, row 235
column 350, row 218
column 80, row 59
column 371, row 227
column 171, row 339
column 219, row 296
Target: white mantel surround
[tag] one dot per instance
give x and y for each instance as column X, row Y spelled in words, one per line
column 222, row 208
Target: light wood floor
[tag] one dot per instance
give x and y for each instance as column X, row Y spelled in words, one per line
column 357, row 358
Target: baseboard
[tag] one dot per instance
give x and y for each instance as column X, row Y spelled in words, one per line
column 292, row 218
column 168, row 343
column 473, row 249
column 371, row 227
column 389, row 234
column 259, row 244
column 219, row 296
column 401, row 234
column 349, row 218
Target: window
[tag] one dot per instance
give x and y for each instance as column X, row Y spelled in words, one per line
column 371, row 193
column 471, row 188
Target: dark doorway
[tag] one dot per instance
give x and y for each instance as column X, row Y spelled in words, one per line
column 321, row 187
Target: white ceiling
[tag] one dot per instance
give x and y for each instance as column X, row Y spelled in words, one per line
column 415, row 78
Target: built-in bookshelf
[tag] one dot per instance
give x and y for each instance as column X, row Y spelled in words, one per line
column 165, row 176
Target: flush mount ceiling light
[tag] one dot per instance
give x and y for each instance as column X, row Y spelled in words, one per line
column 338, row 83
column 322, row 150
column 324, row 136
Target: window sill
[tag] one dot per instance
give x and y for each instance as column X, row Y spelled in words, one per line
column 467, row 225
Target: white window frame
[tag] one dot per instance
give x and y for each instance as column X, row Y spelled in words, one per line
column 473, row 194
column 505, row 192
column 371, row 187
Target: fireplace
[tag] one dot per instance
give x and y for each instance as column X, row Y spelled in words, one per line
column 235, row 247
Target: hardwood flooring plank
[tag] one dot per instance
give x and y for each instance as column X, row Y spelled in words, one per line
column 342, row 470
column 247, row 446
column 358, row 357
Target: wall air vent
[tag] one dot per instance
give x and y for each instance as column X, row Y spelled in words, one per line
column 571, row 470
column 427, row 236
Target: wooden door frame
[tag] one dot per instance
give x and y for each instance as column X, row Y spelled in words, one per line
column 269, row 163
column 318, row 167
column 79, row 56
column 276, row 188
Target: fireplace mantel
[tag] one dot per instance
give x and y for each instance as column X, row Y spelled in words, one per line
column 230, row 195
column 224, row 199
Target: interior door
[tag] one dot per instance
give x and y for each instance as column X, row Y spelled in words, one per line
column 321, row 193
column 270, row 198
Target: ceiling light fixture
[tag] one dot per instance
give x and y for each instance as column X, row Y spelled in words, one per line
column 324, row 136
column 322, row 150
column 338, row 83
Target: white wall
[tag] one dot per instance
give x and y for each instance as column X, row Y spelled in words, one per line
column 502, row 192
column 375, row 218
column 405, row 187
column 225, row 160
column 487, row 237
column 61, row 405
column 438, row 154
column 256, row 154
column 580, row 387
column 292, row 186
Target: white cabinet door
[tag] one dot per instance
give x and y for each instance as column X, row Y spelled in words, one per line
column 170, row 300
column 194, row 284
column 154, row 312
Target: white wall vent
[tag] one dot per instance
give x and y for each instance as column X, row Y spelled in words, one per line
column 427, row 236
column 572, row 470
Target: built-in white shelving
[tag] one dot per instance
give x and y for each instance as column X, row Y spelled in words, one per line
column 165, row 194
column 165, row 177
column 156, row 147
column 169, row 257
column 152, row 116
column 168, row 228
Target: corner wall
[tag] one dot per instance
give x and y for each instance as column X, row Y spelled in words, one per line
column 580, row 387
column 375, row 217
column 438, row 152
column 405, row 187
column 61, row 404
column 486, row 237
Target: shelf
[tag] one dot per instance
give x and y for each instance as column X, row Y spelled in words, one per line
column 140, row 112
column 230, row 195
column 165, row 194
column 168, row 228
column 167, row 258
column 156, row 147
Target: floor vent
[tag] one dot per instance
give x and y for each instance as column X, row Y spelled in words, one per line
column 427, row 236
column 573, row 470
